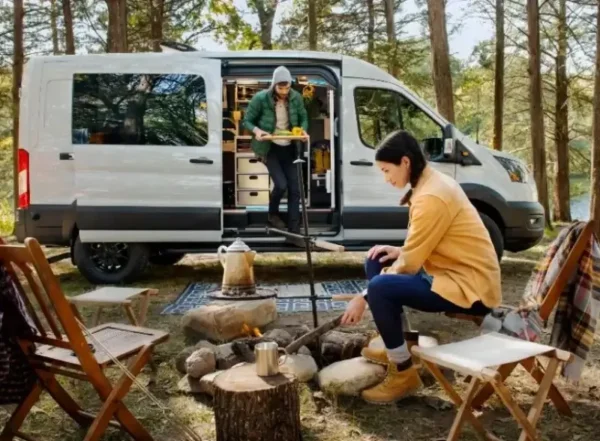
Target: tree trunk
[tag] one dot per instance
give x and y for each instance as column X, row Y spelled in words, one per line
column 157, row 10
column 54, row 28
column 499, row 77
column 266, row 15
column 16, row 87
column 595, row 207
column 69, row 37
column 562, row 206
column 274, row 404
column 370, row 31
column 312, row 25
column 117, row 25
column 536, row 109
column 442, row 79
column 390, row 27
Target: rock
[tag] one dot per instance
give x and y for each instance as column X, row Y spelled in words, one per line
column 222, row 321
column 186, row 352
column 336, row 346
column 304, row 367
column 279, row 336
column 297, row 331
column 226, row 357
column 350, row 377
column 204, row 385
column 304, row 351
column 200, row 363
column 189, row 385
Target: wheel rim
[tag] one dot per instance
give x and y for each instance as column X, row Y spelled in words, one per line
column 109, row 258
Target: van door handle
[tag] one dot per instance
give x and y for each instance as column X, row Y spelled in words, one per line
column 201, row 161
column 362, row 162
column 65, row 156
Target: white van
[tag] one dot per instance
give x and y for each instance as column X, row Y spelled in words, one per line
column 137, row 158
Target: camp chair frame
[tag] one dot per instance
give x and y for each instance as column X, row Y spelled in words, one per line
column 438, row 356
column 534, row 366
column 53, row 353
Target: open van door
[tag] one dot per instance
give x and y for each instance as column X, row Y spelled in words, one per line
column 146, row 130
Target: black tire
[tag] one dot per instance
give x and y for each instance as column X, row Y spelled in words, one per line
column 98, row 264
column 162, row 258
column 495, row 234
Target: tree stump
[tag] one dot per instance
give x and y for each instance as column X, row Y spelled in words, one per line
column 252, row 408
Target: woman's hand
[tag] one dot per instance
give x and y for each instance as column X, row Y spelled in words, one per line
column 354, row 311
column 389, row 253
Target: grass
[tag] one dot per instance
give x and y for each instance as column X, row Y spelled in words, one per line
column 425, row 417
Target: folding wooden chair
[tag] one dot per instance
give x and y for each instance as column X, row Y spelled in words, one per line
column 547, row 305
column 63, row 350
column 480, row 358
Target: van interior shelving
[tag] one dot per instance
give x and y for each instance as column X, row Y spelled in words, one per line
column 246, row 181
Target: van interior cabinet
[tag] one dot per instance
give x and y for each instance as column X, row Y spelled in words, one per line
column 246, row 181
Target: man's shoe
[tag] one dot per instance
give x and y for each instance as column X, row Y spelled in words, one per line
column 379, row 356
column 276, row 222
column 395, row 386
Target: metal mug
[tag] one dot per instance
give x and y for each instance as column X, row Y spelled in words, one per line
column 267, row 362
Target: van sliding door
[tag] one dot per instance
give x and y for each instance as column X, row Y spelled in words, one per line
column 147, row 150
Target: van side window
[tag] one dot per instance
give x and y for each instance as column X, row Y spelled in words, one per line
column 378, row 113
column 139, row 109
column 382, row 111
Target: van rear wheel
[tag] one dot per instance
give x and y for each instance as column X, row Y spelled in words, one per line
column 495, row 234
column 110, row 263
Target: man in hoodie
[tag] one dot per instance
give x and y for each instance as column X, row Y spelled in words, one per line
column 278, row 108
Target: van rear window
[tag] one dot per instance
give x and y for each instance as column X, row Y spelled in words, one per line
column 139, row 109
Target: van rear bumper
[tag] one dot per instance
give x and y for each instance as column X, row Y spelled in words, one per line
column 48, row 224
column 524, row 226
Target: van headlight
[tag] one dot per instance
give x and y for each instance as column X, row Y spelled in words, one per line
column 517, row 172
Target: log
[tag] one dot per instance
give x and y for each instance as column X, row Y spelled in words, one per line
column 252, row 408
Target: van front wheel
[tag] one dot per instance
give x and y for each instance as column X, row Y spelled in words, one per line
column 495, row 234
column 110, row 263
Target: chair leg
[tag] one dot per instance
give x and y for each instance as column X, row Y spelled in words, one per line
column 487, row 390
column 537, row 372
column 463, row 410
column 515, row 410
column 12, row 426
column 113, row 405
column 540, row 398
column 62, row 398
column 455, row 397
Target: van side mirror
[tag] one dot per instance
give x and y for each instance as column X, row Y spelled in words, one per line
column 449, row 143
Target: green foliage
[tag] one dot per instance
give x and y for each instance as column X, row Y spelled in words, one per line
column 6, row 186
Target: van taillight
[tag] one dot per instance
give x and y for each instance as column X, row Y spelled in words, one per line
column 23, row 163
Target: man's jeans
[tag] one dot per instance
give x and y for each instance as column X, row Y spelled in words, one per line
column 388, row 294
column 280, row 163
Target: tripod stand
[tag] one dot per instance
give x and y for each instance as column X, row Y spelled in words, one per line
column 305, row 240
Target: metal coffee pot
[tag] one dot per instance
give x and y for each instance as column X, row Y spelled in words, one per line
column 238, row 269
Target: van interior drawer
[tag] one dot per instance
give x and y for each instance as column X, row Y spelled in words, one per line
column 250, row 166
column 249, row 197
column 253, row 182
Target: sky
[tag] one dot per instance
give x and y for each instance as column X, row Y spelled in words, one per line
column 468, row 29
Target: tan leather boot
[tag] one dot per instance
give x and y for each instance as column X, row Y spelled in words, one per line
column 395, row 386
column 379, row 356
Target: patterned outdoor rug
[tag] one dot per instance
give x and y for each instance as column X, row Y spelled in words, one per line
column 195, row 295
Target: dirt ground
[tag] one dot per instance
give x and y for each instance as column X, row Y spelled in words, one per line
column 425, row 417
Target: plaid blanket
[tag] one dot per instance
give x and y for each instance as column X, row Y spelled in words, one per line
column 579, row 304
column 16, row 375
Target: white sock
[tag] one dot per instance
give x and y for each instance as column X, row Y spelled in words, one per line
column 398, row 355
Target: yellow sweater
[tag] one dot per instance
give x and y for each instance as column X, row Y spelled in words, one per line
column 447, row 238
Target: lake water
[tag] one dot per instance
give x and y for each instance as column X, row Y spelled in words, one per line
column 580, row 207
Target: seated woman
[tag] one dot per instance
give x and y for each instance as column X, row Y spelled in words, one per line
column 447, row 263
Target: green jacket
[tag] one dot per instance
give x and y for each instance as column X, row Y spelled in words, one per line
column 261, row 113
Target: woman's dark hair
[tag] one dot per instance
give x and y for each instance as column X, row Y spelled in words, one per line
column 396, row 146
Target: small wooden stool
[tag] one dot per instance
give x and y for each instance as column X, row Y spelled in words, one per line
column 482, row 358
column 112, row 296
